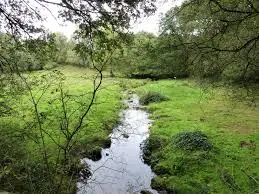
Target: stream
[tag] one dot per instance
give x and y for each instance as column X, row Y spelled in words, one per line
column 121, row 168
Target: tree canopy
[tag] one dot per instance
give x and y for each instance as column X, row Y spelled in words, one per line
column 209, row 39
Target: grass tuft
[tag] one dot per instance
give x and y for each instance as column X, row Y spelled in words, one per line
column 151, row 97
column 229, row 180
column 150, row 145
column 190, row 141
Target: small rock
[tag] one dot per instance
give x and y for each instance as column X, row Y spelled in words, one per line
column 107, row 154
column 107, row 143
column 94, row 154
column 145, row 192
column 125, row 135
column 162, row 192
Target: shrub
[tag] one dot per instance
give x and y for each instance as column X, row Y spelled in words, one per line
column 151, row 97
column 50, row 65
column 190, row 141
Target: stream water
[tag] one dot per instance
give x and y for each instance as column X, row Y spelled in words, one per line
column 121, row 169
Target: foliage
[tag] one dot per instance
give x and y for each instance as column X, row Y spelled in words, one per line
column 191, row 141
column 23, row 158
column 55, row 117
column 45, row 52
column 18, row 172
column 21, row 17
column 229, row 181
column 50, row 118
column 151, row 97
column 208, row 39
column 220, row 38
column 147, row 56
column 150, row 146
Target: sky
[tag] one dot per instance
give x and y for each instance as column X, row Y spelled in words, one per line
column 151, row 24
column 148, row 24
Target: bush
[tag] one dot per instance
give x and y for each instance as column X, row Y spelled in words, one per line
column 190, row 141
column 151, row 97
column 50, row 65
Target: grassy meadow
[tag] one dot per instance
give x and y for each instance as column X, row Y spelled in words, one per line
column 21, row 147
column 231, row 128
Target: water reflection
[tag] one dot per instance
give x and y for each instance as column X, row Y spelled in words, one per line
column 121, row 169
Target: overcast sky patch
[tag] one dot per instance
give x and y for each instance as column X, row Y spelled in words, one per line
column 148, row 24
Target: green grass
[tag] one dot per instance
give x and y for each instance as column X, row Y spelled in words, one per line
column 77, row 84
column 228, row 168
column 225, row 168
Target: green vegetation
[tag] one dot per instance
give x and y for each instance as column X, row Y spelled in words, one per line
column 216, row 40
column 21, row 149
column 202, row 141
column 52, row 118
column 150, row 97
column 190, row 141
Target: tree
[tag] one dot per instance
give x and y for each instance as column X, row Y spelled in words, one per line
column 221, row 38
column 97, row 21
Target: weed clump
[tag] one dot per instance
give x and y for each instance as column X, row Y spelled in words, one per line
column 151, row 97
column 153, row 144
column 194, row 140
column 229, row 180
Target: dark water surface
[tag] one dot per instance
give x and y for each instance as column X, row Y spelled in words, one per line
column 121, row 168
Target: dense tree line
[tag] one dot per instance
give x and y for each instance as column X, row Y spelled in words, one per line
column 45, row 52
column 212, row 39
